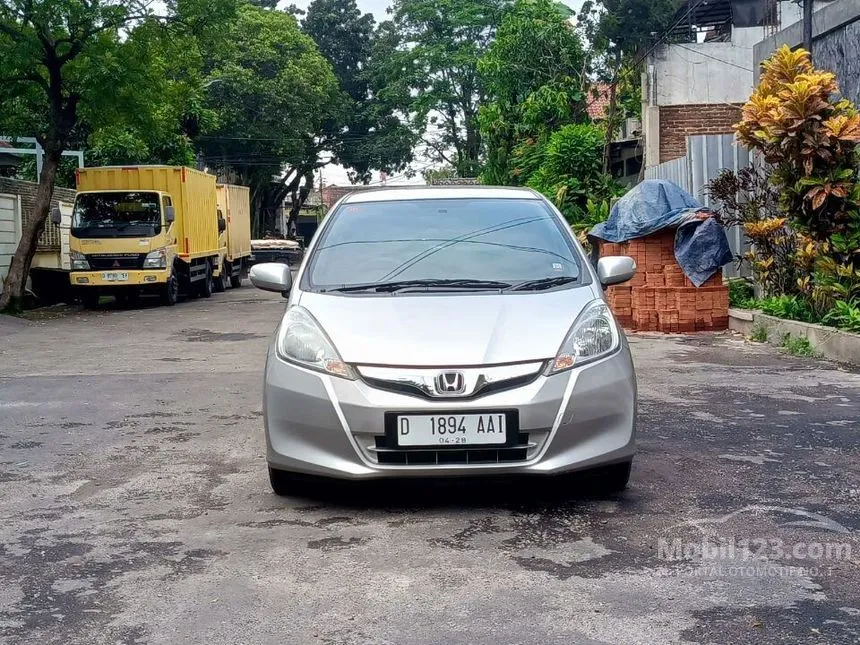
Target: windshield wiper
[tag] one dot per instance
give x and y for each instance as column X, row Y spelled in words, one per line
column 544, row 283
column 399, row 285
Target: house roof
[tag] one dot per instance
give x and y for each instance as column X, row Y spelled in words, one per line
column 597, row 101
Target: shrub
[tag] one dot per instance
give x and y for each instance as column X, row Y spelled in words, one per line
column 759, row 334
column 797, row 346
column 789, row 307
column 845, row 315
column 741, row 294
column 810, row 139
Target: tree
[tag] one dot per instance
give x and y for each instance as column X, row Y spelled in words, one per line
column 275, row 98
column 438, row 44
column 619, row 31
column 59, row 58
column 374, row 134
column 534, row 75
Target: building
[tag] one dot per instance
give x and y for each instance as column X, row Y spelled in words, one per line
column 696, row 80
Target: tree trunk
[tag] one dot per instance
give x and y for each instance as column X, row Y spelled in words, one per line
column 16, row 281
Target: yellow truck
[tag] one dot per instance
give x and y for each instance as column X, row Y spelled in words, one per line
column 234, row 207
column 145, row 229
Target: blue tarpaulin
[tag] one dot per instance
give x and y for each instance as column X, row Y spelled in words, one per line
column 701, row 246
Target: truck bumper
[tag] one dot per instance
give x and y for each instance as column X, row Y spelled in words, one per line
column 119, row 278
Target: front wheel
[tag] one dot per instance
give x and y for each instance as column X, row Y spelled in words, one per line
column 90, row 299
column 170, row 291
column 236, row 279
column 221, row 280
column 614, row 478
column 207, row 285
column 283, row 483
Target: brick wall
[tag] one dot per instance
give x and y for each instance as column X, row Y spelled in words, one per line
column 678, row 121
column 26, row 190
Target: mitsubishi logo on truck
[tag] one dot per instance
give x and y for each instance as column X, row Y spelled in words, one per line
column 116, row 263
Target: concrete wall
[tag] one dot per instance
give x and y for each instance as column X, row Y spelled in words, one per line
column 836, row 43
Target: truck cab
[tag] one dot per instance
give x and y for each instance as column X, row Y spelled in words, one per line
column 121, row 238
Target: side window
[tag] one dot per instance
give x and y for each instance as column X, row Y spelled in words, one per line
column 166, row 201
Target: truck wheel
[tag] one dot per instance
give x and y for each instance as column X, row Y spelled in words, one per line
column 221, row 280
column 207, row 284
column 90, row 299
column 236, row 280
column 170, row 291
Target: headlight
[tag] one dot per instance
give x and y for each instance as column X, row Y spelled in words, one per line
column 78, row 261
column 156, row 259
column 593, row 335
column 302, row 340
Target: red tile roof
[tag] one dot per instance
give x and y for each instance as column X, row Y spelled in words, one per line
column 597, row 100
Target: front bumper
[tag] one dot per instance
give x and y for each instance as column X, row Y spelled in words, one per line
column 323, row 425
column 136, row 277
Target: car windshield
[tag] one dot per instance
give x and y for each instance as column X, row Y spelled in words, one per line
column 503, row 242
column 117, row 213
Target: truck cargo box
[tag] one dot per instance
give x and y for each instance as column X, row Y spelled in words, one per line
column 235, row 205
column 192, row 193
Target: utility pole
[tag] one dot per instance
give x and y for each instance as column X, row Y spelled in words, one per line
column 807, row 26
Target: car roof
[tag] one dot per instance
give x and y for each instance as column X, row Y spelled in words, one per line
column 411, row 193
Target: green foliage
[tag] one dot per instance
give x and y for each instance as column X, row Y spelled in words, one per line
column 570, row 172
column 371, row 134
column 789, row 307
column 432, row 67
column 741, row 294
column 845, row 315
column 534, row 76
column 810, row 138
column 797, row 346
column 760, row 334
column 445, row 172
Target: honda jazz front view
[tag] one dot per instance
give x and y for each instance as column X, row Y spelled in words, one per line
column 444, row 332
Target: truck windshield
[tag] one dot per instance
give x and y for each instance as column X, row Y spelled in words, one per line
column 116, row 214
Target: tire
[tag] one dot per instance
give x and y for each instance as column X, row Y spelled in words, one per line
column 170, row 291
column 283, row 483
column 614, row 478
column 207, row 284
column 90, row 298
column 221, row 281
column 236, row 280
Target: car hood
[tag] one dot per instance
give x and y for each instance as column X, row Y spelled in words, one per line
column 447, row 330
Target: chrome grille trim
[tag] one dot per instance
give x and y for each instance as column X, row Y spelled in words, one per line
column 421, row 381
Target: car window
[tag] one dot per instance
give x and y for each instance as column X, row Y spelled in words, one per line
column 507, row 240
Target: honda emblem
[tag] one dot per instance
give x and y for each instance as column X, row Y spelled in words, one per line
column 450, row 383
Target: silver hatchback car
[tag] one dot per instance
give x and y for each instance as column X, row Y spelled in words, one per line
column 445, row 332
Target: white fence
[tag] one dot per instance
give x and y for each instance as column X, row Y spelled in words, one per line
column 707, row 155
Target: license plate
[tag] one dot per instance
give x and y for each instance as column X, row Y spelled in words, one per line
column 451, row 429
column 115, row 276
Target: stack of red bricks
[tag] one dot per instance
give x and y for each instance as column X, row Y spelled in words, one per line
column 660, row 297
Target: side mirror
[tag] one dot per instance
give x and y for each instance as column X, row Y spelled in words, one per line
column 169, row 214
column 615, row 269
column 56, row 216
column 222, row 224
column 272, row 276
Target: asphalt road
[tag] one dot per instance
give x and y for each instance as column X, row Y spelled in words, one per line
column 135, row 508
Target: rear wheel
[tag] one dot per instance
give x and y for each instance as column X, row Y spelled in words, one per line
column 207, row 284
column 221, row 280
column 283, row 483
column 170, row 291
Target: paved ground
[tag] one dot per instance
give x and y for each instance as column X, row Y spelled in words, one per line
column 134, row 505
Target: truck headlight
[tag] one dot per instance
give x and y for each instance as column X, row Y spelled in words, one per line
column 156, row 259
column 301, row 340
column 593, row 335
column 78, row 261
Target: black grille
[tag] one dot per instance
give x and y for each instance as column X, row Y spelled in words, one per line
column 116, row 260
column 432, row 457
